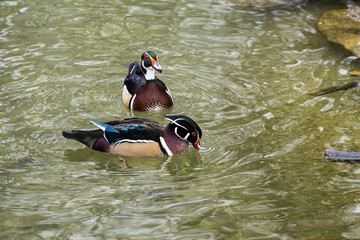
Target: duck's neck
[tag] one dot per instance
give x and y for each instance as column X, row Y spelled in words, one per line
column 149, row 73
column 175, row 144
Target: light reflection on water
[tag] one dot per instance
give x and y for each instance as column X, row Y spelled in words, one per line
column 241, row 72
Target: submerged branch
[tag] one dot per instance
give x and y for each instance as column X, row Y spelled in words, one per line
column 335, row 88
column 339, row 87
column 340, row 156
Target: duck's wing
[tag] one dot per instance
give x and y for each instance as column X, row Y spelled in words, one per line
column 161, row 84
column 135, row 78
column 130, row 131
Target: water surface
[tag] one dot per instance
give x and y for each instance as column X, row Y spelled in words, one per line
column 241, row 72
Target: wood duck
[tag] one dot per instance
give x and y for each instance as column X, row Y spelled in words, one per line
column 142, row 90
column 140, row 137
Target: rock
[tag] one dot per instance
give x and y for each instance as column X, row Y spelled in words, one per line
column 342, row 26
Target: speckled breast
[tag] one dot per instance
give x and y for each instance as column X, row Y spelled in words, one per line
column 152, row 97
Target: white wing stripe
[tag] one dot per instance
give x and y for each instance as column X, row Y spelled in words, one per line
column 132, row 69
column 132, row 141
column 99, row 126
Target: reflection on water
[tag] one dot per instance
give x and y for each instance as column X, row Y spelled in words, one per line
column 241, row 72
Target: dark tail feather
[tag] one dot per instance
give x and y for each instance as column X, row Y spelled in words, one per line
column 335, row 88
column 89, row 138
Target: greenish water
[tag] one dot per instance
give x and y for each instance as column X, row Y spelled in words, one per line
column 242, row 73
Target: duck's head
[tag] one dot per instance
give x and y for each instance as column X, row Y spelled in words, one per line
column 186, row 129
column 149, row 63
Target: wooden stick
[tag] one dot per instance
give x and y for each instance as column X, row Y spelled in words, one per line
column 340, row 156
column 335, row 88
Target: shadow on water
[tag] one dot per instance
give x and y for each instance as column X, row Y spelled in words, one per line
column 176, row 165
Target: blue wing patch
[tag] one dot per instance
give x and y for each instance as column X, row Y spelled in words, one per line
column 139, row 133
column 110, row 133
column 127, row 128
column 103, row 126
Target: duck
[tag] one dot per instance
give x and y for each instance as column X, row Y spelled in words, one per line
column 141, row 137
column 142, row 90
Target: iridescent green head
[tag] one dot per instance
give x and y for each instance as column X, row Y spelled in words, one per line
column 186, row 129
column 150, row 59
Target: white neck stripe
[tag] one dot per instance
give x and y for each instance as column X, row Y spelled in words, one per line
column 165, row 146
column 168, row 92
column 132, row 101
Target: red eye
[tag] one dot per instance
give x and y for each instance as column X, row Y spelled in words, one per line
column 194, row 134
column 146, row 57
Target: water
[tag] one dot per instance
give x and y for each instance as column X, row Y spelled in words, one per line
column 241, row 72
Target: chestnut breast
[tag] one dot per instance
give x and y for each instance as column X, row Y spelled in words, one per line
column 152, row 96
